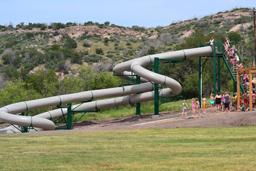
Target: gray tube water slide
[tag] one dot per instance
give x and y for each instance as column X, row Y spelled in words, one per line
column 8, row 114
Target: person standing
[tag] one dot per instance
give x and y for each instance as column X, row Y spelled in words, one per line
column 193, row 106
column 211, row 41
column 198, row 106
column 204, row 104
column 218, row 98
column 226, row 103
column 185, row 106
column 234, row 103
column 212, row 103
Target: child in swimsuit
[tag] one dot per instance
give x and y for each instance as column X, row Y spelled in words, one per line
column 233, row 50
column 198, row 106
column 204, row 104
column 212, row 103
column 193, row 105
column 185, row 106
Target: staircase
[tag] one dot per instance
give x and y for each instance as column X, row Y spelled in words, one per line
column 232, row 71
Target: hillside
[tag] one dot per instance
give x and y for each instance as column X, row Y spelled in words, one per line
column 64, row 48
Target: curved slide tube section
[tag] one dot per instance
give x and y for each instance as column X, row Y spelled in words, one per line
column 135, row 66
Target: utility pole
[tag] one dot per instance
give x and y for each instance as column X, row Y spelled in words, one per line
column 254, row 33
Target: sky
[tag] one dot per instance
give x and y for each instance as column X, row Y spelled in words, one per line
column 127, row 13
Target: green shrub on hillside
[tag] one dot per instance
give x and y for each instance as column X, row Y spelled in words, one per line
column 243, row 19
column 234, row 36
column 70, row 43
column 6, row 59
column 99, row 51
column 11, row 44
column 92, row 58
column 29, row 35
column 85, row 44
column 56, row 33
column 55, row 47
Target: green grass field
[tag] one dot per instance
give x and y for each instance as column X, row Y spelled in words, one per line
column 150, row 149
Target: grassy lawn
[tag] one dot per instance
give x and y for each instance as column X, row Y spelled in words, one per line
column 151, row 149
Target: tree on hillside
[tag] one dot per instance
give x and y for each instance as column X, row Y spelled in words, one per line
column 99, row 51
column 107, row 23
column 70, row 43
column 57, row 26
column 44, row 82
column 152, row 50
column 55, row 47
column 234, row 36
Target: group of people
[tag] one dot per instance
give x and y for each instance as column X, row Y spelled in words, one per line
column 224, row 103
column 231, row 55
column 195, row 105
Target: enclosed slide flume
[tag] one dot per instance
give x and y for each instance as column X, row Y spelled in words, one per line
column 123, row 95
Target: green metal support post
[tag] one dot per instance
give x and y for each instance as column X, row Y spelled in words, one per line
column 218, row 74
column 156, row 98
column 24, row 128
column 69, row 115
column 138, row 104
column 214, row 69
column 200, row 79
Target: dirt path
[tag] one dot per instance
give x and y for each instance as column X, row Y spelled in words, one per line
column 171, row 119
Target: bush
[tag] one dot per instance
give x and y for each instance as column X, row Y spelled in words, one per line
column 60, row 66
column 55, row 47
column 85, row 44
column 86, row 53
column 99, row 51
column 29, row 35
column 17, row 61
column 109, row 55
column 66, row 72
column 101, row 25
column 57, row 26
column 152, row 50
column 6, row 59
column 29, row 66
column 243, row 19
column 43, row 27
column 134, row 40
column 50, row 64
column 92, row 58
column 130, row 53
column 56, row 33
column 234, row 36
column 84, row 35
column 119, row 48
column 10, row 44
column 70, row 43
column 11, row 72
column 128, row 44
